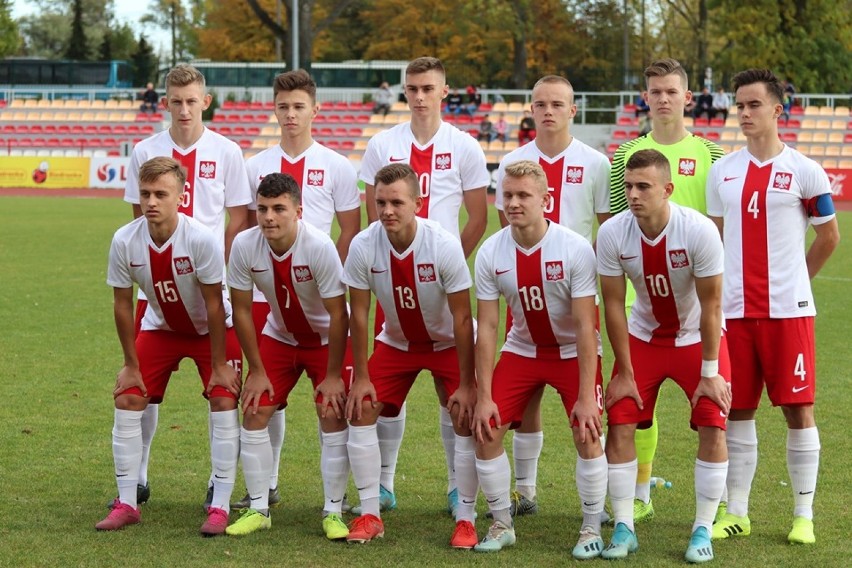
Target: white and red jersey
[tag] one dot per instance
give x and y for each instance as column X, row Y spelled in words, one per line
column 215, row 175
column 412, row 286
column 663, row 271
column 766, row 208
column 169, row 275
column 577, row 182
column 294, row 284
column 539, row 285
column 451, row 163
column 328, row 181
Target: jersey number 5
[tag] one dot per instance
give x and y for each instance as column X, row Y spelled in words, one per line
column 166, row 291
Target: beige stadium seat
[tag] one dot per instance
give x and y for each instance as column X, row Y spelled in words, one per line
column 732, row 122
column 729, row 136
column 808, row 124
column 806, row 136
column 832, row 150
column 510, row 145
column 803, row 148
column 126, row 104
column 484, row 145
column 829, row 163
column 841, row 111
column 726, row 148
column 817, row 150
column 43, row 103
column 821, row 137
column 111, row 104
column 838, row 125
column 57, row 103
column 30, row 103
column 835, row 137
column 33, row 116
column 517, row 107
column 823, row 124
column 376, row 119
column 17, row 103
column 87, row 116
column 687, row 121
column 60, row 116
column 399, row 106
column 844, row 164
column 846, row 151
column 258, row 143
column 811, row 111
column 361, row 144
column 269, row 131
column 499, row 107
column 98, row 104
column 101, row 116
column 826, row 111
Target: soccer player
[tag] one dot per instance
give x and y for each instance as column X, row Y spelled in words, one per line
column 578, row 190
column 690, row 157
column 178, row 263
column 451, row 170
column 674, row 258
column 763, row 198
column 547, row 275
column 419, row 276
column 329, row 189
column 296, row 267
column 216, row 194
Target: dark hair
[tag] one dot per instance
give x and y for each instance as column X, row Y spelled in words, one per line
column 650, row 158
column 665, row 67
column 392, row 173
column 277, row 184
column 765, row 76
column 297, row 80
column 155, row 168
column 424, row 64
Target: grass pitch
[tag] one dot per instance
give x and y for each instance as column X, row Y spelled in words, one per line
column 60, row 356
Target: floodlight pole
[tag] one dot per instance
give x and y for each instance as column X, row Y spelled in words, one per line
column 278, row 43
column 294, row 26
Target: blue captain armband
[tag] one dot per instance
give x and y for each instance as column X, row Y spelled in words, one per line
column 820, row 206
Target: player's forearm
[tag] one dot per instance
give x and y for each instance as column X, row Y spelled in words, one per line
column 822, row 248
column 616, row 331
column 126, row 330
column 711, row 333
column 471, row 234
column 217, row 329
column 587, row 359
column 244, row 326
column 370, row 203
column 463, row 332
column 358, row 334
column 485, row 352
column 338, row 331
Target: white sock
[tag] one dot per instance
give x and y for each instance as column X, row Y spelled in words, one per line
column 466, row 478
column 622, row 491
column 277, row 426
column 334, row 466
column 365, row 459
column 127, row 452
column 256, row 455
column 742, row 463
column 224, row 452
column 709, row 483
column 150, row 417
column 591, row 480
column 390, row 431
column 802, row 465
column 526, row 449
column 448, row 437
column 495, row 478
column 643, row 491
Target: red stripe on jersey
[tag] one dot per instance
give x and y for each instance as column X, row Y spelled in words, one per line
column 421, row 163
column 403, row 281
column 168, row 295
column 295, row 169
column 188, row 162
column 290, row 307
column 755, row 242
column 533, row 304
column 655, row 267
column 554, row 173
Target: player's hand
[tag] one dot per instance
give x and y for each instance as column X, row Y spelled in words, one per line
column 333, row 393
column 226, row 377
column 127, row 378
column 361, row 389
column 485, row 411
column 465, row 399
column 716, row 389
column 622, row 386
column 588, row 417
column 257, row 383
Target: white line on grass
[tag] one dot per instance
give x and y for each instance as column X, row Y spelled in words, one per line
column 834, row 278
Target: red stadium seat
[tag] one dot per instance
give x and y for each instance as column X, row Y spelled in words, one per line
column 50, row 129
column 218, row 117
column 245, row 144
column 797, row 111
column 227, row 105
column 8, row 129
column 253, row 131
column 224, row 130
column 110, row 142
column 340, row 106
column 717, row 122
column 347, row 145
column 332, row 145
column 789, row 137
column 239, row 131
column 847, row 139
column 256, row 105
column 362, row 119
column 326, row 132
column 314, row 132
column 63, row 129
column 333, row 118
column 93, row 143
column 793, row 123
column 713, row 136
column 105, row 129
column 113, row 153
column 624, row 121
column 143, row 117
column 67, row 142
column 611, row 148
column 340, row 132
column 269, row 105
column 347, row 118
column 147, row 129
column 356, row 132
column 90, row 129
column 22, row 129
column 486, row 107
column 630, row 107
column 77, row 129
column 700, row 122
column 52, row 142
column 619, row 135
column 119, row 129
column 36, row 129
column 241, row 105
column 464, row 119
column 133, row 129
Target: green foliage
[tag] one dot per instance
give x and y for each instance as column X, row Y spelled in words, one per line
column 77, row 48
column 10, row 39
column 144, row 62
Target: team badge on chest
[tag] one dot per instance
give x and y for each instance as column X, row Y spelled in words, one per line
column 426, row 272
column 574, row 174
column 207, row 170
column 782, row 181
column 678, row 258
column 553, row 270
column 183, row 265
column 302, row 273
column 686, row 167
column 316, row 177
column 444, row 161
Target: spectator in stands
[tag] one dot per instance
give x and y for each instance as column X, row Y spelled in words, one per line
column 150, row 99
column 786, row 105
column 526, row 129
column 486, row 130
column 721, row 103
column 383, row 98
column 641, row 105
column 704, row 104
column 790, row 89
column 501, row 128
column 474, row 98
column 456, row 104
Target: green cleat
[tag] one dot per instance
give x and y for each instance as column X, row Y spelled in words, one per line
column 700, row 548
column 334, row 527
column 642, row 511
column 499, row 537
column 731, row 525
column 250, row 521
column 589, row 545
column 802, row 532
column 623, row 542
column 245, row 502
column 720, row 512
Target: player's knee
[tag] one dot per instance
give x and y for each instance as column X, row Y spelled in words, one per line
column 800, row 416
column 222, row 404
column 130, row 402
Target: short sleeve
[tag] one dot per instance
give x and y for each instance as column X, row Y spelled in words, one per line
column 708, row 255
column 486, row 280
column 584, row 280
column 607, row 250
column 118, row 271
column 356, row 269
column 239, row 275
column 455, row 275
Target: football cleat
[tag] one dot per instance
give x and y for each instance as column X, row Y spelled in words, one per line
column 387, row 502
column 334, row 527
column 464, row 536
column 802, row 532
column 250, row 521
column 120, row 516
column 216, row 523
column 499, row 537
column 700, row 548
column 731, row 525
column 245, row 502
column 520, row 505
column 623, row 542
column 365, row 528
column 143, row 493
column 589, row 545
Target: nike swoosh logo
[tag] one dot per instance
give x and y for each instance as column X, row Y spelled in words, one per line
column 499, row 272
column 121, row 474
column 337, row 501
column 359, row 488
column 805, row 492
column 727, row 178
column 492, row 501
column 622, row 257
column 134, row 265
column 374, row 271
column 259, row 270
column 392, row 159
column 591, row 504
column 466, row 502
column 800, row 389
column 217, row 476
column 256, row 498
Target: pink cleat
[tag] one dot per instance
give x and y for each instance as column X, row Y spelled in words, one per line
column 216, row 523
column 120, row 516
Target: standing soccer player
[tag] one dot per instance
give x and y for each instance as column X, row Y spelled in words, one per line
column 451, row 171
column 178, row 263
column 547, row 275
column 578, row 190
column 690, row 157
column 296, row 267
column 329, row 189
column 419, row 276
column 763, row 198
column 674, row 258
column 216, row 194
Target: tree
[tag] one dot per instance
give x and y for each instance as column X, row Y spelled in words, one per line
column 144, row 62
column 77, row 48
column 180, row 21
column 10, row 40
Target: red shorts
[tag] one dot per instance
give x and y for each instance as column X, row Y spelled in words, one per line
column 160, row 353
column 517, row 378
column 259, row 312
column 393, row 371
column 284, row 364
column 652, row 364
column 777, row 352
